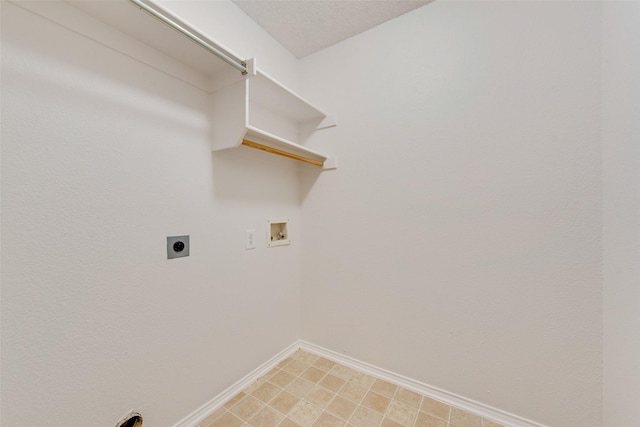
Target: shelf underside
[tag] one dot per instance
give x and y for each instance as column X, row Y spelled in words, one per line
column 264, row 138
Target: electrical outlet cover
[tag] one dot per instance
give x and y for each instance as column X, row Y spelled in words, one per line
column 250, row 239
column 177, row 246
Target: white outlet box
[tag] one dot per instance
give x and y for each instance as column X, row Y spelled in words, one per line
column 278, row 233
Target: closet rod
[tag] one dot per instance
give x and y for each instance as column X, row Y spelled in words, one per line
column 179, row 27
column 272, row 150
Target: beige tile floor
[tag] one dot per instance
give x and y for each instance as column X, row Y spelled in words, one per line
column 305, row 390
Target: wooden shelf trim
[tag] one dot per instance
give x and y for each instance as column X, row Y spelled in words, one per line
column 272, row 150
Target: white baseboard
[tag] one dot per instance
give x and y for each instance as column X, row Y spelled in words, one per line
column 214, row 404
column 469, row 405
column 485, row 411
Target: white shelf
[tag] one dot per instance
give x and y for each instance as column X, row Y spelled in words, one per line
column 265, row 138
column 251, row 107
column 261, row 110
column 267, row 92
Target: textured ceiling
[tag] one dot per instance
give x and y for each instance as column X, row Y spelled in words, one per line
column 307, row 26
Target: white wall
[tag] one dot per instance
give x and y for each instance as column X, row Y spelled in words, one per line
column 102, row 158
column 621, row 220
column 459, row 243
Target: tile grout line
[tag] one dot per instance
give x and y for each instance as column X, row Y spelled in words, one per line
column 418, row 414
column 336, row 393
column 315, row 386
column 362, row 400
column 391, row 399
